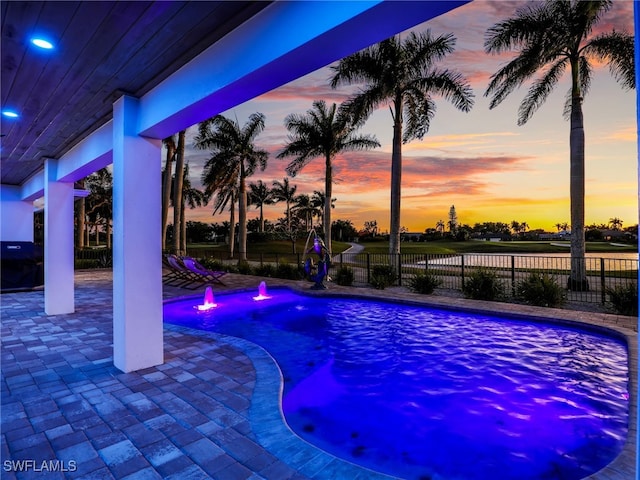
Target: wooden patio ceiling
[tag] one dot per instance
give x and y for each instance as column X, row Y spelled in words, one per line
column 102, row 50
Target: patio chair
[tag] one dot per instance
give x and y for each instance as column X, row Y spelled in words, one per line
column 208, row 275
column 181, row 274
column 169, row 274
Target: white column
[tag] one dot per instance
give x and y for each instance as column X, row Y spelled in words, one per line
column 137, row 248
column 16, row 215
column 58, row 243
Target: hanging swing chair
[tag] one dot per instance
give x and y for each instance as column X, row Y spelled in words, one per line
column 319, row 271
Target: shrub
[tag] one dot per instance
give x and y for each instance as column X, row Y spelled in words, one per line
column 265, row 270
column 541, row 289
column 483, row 284
column 212, row 264
column 86, row 263
column 382, row 276
column 105, row 259
column 424, row 283
column 244, row 268
column 288, row 271
column 624, row 299
column 344, row 276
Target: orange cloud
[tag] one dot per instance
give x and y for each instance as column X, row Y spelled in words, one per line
column 627, row 134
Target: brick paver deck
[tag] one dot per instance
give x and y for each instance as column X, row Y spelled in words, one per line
column 210, row 411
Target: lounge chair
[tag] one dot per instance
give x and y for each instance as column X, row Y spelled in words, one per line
column 208, row 275
column 169, row 274
column 180, row 275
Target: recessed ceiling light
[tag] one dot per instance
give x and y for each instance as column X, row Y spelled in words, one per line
column 42, row 43
column 10, row 113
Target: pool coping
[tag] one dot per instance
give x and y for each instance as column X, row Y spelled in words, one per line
column 273, row 433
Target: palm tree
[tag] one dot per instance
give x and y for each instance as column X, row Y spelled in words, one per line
column 305, row 209
column 319, row 200
column 81, row 216
column 260, row 195
column 402, row 74
column 99, row 202
column 235, row 146
column 322, row 132
column 282, row 191
column 615, row 223
column 226, row 195
column 167, row 175
column 550, row 38
column 220, row 178
column 178, row 183
column 194, row 198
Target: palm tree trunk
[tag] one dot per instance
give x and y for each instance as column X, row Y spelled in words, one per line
column 326, row 216
column 166, row 192
column 242, row 216
column 177, row 193
column 232, row 228
column 261, row 219
column 81, row 214
column 183, row 229
column 396, row 180
column 578, row 278
column 81, row 222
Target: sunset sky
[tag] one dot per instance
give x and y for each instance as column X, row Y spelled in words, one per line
column 481, row 162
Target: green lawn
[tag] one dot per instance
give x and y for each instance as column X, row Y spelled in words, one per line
column 279, row 247
column 283, row 247
column 444, row 247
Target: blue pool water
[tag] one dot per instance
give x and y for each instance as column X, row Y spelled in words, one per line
column 425, row 393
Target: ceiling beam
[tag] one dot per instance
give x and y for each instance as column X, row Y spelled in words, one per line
column 281, row 43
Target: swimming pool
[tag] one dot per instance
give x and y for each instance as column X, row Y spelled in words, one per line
column 428, row 393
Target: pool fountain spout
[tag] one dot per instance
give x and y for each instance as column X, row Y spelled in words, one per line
column 262, row 292
column 209, row 301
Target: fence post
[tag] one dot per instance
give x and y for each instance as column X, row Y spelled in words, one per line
column 399, row 269
column 261, row 259
column 340, row 259
column 462, row 268
column 603, row 295
column 513, row 276
column 368, row 268
column 426, row 262
column 298, row 257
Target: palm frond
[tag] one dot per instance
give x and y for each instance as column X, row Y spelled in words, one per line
column 513, row 75
column 519, row 31
column 419, row 110
column 422, row 50
column 617, row 50
column 540, row 90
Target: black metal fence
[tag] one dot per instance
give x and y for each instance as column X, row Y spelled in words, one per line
column 451, row 269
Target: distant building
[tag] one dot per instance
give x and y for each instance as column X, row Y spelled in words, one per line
column 562, row 235
column 491, row 237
